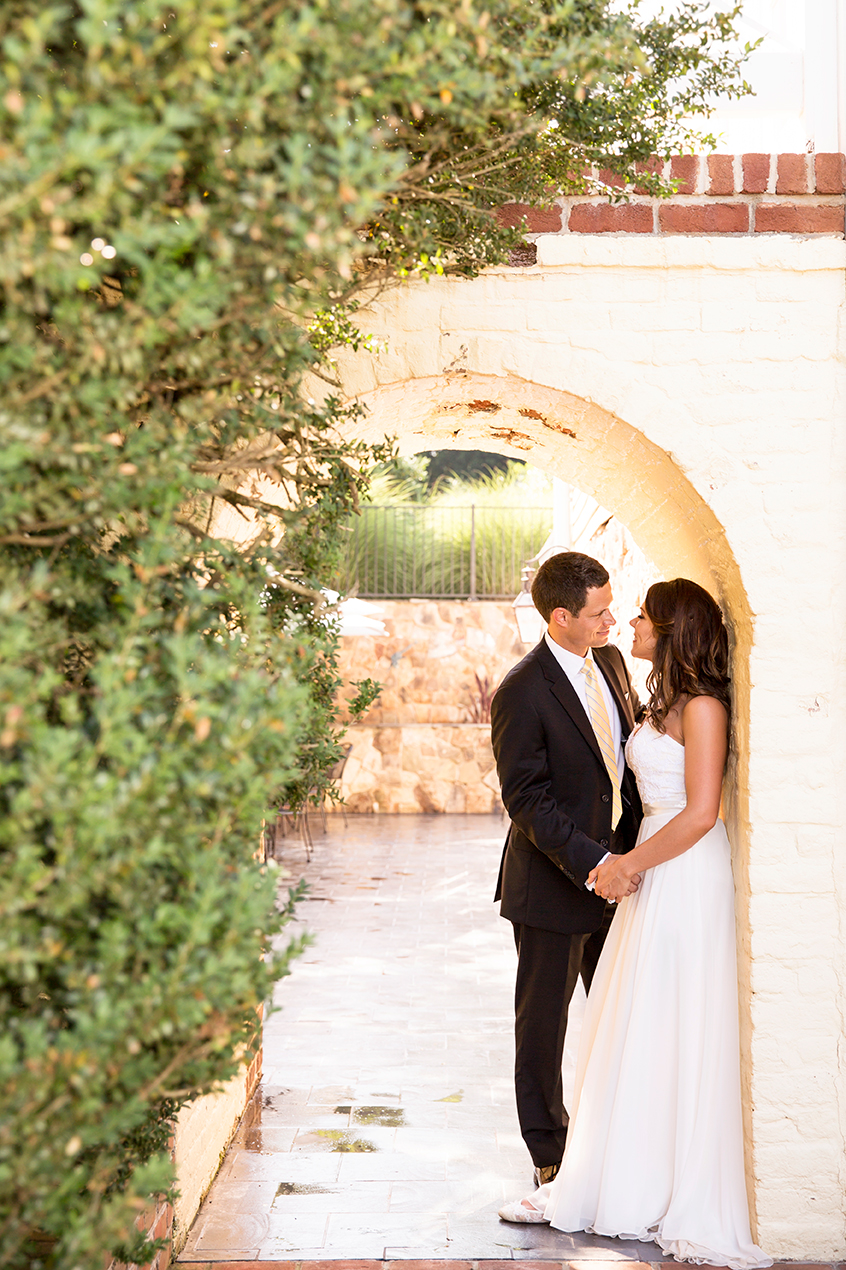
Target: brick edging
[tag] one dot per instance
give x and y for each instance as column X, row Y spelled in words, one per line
column 448, row 1264
column 734, row 194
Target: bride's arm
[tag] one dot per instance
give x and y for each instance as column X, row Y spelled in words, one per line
column 704, row 728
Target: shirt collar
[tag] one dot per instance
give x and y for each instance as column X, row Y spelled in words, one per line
column 570, row 663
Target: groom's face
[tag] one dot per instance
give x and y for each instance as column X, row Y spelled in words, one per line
column 588, row 629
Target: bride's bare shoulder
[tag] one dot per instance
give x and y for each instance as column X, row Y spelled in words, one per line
column 704, row 707
column 703, row 715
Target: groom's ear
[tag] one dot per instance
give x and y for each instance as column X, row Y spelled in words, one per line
column 561, row 617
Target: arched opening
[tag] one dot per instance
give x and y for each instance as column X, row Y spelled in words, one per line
column 594, row 450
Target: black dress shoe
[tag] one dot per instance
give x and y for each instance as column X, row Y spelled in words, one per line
column 546, row 1173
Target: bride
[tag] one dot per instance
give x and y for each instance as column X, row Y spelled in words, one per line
column 655, row 1146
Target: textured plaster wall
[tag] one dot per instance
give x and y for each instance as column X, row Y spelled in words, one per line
column 695, row 387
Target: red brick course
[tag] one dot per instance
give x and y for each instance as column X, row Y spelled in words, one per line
column 796, row 218
column 756, row 173
column 157, row 1223
column 161, row 1230
column 509, row 1265
column 830, row 171
column 720, row 174
column 651, row 165
column 608, row 218
column 792, row 174
column 253, row 1074
column 582, row 1264
column 539, row 220
column 434, row 1264
column 704, row 218
column 354, row 1265
column 808, row 199
column 684, row 168
column 308, row 1265
column 607, row 177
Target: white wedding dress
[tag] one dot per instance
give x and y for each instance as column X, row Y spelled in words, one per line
column 655, row 1143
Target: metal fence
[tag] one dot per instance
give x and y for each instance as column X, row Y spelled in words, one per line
column 468, row 553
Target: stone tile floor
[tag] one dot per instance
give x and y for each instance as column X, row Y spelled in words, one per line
column 384, row 1127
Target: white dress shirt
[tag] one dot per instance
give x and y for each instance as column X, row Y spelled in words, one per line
column 572, row 665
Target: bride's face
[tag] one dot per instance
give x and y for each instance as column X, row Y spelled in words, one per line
column 645, row 638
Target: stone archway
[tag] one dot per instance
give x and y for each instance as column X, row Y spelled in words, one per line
column 719, row 369
column 577, row 440
column 591, row 448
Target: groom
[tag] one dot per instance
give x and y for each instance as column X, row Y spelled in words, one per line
column 559, row 722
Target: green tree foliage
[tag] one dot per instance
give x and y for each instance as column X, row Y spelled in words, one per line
column 592, row 84
column 466, row 465
column 190, row 195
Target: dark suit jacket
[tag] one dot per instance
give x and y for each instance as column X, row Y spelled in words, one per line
column 557, row 791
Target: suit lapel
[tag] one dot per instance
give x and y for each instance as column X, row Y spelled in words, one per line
column 565, row 693
column 621, row 697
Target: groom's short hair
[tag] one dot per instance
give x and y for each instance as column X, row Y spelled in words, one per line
column 563, row 581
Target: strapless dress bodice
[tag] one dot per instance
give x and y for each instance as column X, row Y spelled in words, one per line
column 658, row 764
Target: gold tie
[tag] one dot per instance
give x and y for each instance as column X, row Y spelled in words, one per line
column 602, row 729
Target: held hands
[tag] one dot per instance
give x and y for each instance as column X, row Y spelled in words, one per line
column 613, row 880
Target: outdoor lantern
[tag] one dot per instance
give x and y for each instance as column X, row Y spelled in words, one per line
column 530, row 624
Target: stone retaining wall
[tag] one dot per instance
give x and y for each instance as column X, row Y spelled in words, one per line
column 425, row 745
column 421, row 767
column 435, row 660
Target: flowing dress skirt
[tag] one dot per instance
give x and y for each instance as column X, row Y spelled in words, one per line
column 655, row 1144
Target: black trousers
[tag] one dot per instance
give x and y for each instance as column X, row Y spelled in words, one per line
column 548, row 965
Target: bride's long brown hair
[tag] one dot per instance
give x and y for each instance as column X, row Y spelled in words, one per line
column 691, row 651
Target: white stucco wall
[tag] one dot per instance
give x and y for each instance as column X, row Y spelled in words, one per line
column 703, row 380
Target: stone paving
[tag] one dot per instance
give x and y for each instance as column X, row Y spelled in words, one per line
column 384, row 1127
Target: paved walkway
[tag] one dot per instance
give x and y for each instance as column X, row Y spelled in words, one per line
column 384, row 1127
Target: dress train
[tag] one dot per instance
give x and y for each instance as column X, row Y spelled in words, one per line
column 655, row 1143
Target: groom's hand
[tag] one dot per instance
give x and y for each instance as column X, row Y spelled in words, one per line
column 612, row 881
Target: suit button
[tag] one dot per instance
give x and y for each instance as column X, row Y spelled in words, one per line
column 603, row 842
column 606, row 798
